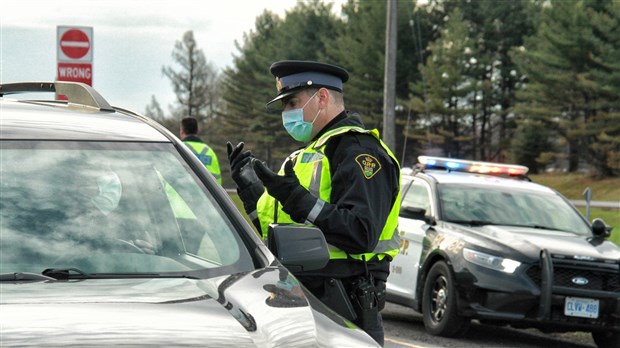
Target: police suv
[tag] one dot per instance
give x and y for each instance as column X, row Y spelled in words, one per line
column 113, row 233
column 502, row 250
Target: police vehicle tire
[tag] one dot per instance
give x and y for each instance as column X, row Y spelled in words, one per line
column 439, row 311
column 606, row 339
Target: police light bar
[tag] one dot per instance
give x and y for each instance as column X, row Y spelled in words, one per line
column 430, row 162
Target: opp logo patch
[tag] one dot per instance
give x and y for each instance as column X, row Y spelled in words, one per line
column 278, row 84
column 369, row 165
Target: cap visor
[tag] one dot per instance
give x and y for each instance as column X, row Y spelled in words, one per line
column 280, row 97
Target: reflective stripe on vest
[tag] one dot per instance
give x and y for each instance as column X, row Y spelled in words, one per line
column 207, row 156
column 313, row 171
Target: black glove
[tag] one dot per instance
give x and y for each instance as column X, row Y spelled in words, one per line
column 240, row 168
column 249, row 187
column 279, row 187
column 296, row 201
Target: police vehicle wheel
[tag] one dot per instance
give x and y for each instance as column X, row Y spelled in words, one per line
column 439, row 311
column 606, row 339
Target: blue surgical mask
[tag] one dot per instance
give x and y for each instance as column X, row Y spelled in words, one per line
column 295, row 125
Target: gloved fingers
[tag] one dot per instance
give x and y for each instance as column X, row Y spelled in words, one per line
column 288, row 168
column 229, row 148
column 241, row 160
column 264, row 174
column 234, row 152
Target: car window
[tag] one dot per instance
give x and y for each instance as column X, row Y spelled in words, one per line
column 509, row 207
column 418, row 196
column 110, row 208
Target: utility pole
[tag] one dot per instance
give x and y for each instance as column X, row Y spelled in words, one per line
column 389, row 84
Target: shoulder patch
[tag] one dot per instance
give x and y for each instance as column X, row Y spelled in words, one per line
column 369, row 165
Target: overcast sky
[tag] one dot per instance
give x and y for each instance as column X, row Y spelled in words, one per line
column 133, row 39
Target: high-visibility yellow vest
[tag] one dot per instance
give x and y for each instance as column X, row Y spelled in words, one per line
column 313, row 171
column 207, row 156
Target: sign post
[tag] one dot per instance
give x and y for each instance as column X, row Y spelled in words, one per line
column 75, row 54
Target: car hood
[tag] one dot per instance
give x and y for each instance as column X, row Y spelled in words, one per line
column 530, row 241
column 264, row 308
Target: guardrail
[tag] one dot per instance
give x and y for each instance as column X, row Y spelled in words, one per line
column 597, row 204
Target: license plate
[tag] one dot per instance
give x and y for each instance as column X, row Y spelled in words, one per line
column 581, row 307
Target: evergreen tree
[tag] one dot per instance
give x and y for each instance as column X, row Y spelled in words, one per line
column 248, row 85
column 359, row 46
column 446, row 108
column 531, row 146
column 603, row 131
column 501, row 28
column 563, row 63
column 497, row 28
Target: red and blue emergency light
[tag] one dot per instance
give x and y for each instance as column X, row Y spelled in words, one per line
column 472, row 166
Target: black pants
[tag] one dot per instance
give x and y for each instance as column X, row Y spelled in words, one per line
column 316, row 285
column 376, row 332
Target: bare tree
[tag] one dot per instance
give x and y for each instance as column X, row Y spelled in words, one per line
column 194, row 83
column 154, row 110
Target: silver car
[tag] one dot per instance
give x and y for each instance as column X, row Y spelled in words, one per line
column 113, row 233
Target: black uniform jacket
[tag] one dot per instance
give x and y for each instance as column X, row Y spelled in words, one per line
column 360, row 201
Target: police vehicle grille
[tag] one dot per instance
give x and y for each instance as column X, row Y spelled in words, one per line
column 601, row 276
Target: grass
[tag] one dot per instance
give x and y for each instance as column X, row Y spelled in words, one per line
column 239, row 204
column 572, row 187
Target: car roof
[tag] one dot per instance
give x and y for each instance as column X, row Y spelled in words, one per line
column 456, row 177
column 55, row 121
column 86, row 116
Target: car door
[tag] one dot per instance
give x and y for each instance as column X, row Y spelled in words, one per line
column 416, row 203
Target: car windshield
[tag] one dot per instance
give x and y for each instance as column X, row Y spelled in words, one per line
column 488, row 205
column 111, row 208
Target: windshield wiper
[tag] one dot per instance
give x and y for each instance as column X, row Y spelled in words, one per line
column 485, row 223
column 472, row 222
column 75, row 273
column 23, row 276
column 538, row 227
column 65, row 273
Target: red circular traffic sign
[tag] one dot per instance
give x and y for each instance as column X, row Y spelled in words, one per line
column 74, row 43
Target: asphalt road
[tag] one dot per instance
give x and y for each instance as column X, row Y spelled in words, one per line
column 404, row 329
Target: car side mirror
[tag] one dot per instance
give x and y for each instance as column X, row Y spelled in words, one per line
column 412, row 213
column 298, row 247
column 600, row 229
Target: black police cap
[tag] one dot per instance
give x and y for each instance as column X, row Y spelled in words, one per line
column 295, row 75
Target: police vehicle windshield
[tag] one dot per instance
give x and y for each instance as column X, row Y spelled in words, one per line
column 487, row 205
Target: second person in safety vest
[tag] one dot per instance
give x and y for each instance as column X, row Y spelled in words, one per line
column 344, row 180
column 206, row 155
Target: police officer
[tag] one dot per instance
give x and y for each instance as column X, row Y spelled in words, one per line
column 206, row 155
column 344, row 180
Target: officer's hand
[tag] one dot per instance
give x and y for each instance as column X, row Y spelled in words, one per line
column 279, row 187
column 145, row 246
column 238, row 160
